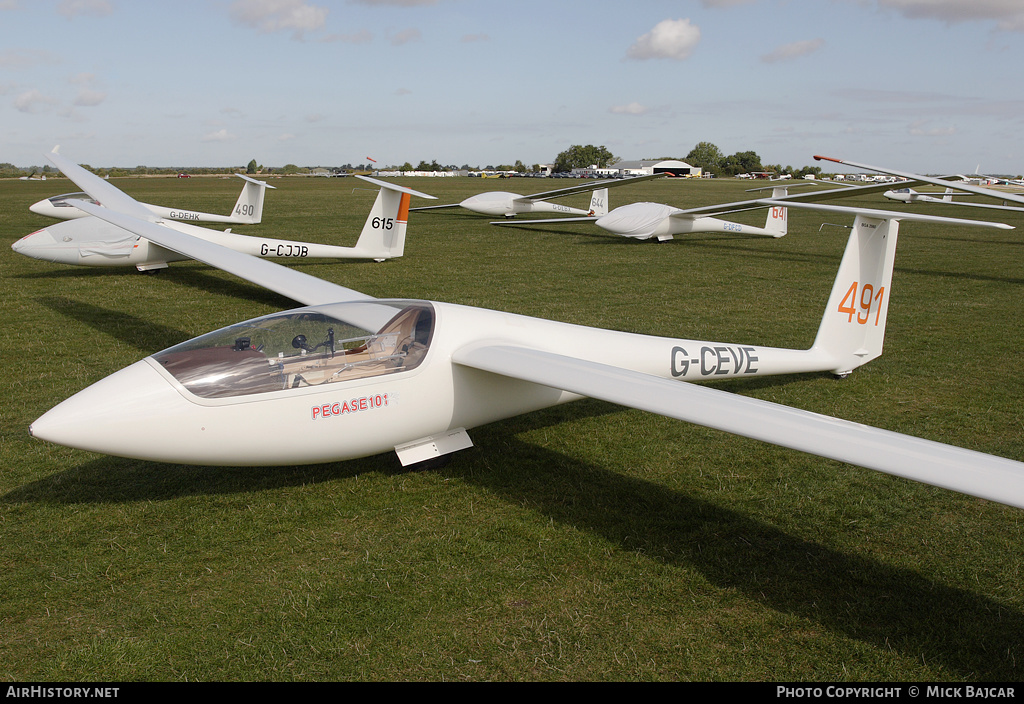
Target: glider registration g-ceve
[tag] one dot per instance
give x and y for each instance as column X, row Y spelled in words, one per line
column 349, row 375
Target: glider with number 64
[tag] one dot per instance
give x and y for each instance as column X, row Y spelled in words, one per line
column 348, row 375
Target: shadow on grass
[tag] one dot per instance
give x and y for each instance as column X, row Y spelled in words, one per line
column 888, row 607
column 137, row 332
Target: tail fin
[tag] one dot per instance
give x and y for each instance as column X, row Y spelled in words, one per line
column 777, row 222
column 383, row 235
column 599, row 202
column 248, row 208
column 853, row 326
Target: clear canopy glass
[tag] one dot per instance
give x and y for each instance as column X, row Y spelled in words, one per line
column 302, row 348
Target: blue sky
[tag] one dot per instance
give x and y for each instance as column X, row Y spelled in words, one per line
column 920, row 85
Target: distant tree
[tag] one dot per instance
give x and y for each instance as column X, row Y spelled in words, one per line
column 405, row 167
column 290, row 169
column 580, row 157
column 809, row 171
column 519, row 167
column 252, row 167
column 706, row 156
column 741, row 163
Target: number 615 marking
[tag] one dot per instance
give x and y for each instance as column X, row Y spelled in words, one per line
column 860, row 306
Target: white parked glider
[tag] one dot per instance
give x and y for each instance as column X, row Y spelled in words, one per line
column 952, row 185
column 248, row 208
column 350, row 376
column 92, row 241
column 502, row 203
column 644, row 221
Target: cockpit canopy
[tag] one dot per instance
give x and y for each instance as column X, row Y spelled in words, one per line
column 67, row 200
column 304, row 347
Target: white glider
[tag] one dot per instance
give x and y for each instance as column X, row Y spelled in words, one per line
column 644, row 221
column 503, row 203
column 91, row 241
column 248, row 208
column 953, row 185
column 350, row 376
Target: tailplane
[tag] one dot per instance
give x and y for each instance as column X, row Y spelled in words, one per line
column 248, row 208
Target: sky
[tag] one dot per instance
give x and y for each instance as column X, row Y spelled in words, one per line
column 929, row 86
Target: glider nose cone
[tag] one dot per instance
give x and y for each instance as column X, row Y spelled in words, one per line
column 493, row 204
column 106, row 416
column 37, row 245
column 41, row 207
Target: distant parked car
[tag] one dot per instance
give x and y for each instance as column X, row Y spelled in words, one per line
column 184, row 175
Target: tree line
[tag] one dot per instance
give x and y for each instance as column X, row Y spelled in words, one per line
column 704, row 155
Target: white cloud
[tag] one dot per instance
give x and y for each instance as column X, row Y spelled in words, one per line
column 631, row 109
column 89, row 93
column 26, row 58
column 33, row 102
column 219, row 136
column 89, row 98
column 1008, row 14
column 792, row 51
column 298, row 16
column 670, row 39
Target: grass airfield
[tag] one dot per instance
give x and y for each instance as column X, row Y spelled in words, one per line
column 585, row 542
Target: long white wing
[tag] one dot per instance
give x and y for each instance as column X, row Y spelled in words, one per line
column 288, row 282
column 588, row 186
column 736, row 206
column 886, row 214
column 544, row 221
column 957, row 185
column 101, row 191
column 966, row 471
column 125, row 212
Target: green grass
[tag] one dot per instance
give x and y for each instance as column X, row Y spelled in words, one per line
column 586, row 542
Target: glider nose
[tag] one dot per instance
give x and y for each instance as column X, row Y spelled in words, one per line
column 41, row 207
column 117, row 415
column 37, row 245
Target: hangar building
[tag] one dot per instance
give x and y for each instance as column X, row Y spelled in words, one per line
column 647, row 167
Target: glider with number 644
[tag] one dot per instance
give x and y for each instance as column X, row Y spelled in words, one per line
column 348, row 375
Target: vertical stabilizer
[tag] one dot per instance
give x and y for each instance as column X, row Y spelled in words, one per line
column 853, row 326
column 599, row 202
column 248, row 208
column 777, row 223
column 383, row 235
